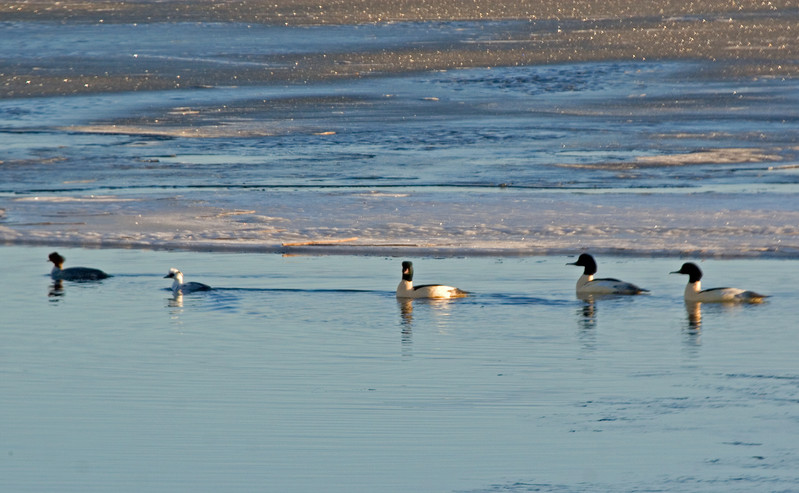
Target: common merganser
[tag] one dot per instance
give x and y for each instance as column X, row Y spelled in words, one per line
column 180, row 287
column 406, row 289
column 73, row 273
column 695, row 294
column 587, row 285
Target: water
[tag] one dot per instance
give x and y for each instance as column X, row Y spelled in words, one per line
column 306, row 374
column 657, row 157
column 534, row 159
column 581, row 126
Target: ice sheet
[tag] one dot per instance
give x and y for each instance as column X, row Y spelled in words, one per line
column 646, row 158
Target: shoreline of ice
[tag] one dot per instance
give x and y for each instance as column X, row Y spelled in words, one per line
column 334, row 248
column 417, row 222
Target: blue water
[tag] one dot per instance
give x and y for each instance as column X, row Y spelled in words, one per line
column 531, row 159
column 306, row 374
column 551, row 127
column 519, row 126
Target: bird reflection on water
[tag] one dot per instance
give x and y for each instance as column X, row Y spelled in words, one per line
column 176, row 300
column 439, row 307
column 56, row 290
column 694, row 312
column 586, row 314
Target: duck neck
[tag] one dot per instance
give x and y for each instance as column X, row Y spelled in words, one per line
column 405, row 286
column 177, row 281
column 692, row 288
column 584, row 279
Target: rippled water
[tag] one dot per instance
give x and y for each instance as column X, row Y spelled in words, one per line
column 561, row 126
column 617, row 125
column 306, row 374
column 529, row 159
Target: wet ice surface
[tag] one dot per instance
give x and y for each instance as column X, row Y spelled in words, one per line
column 638, row 157
column 306, row 374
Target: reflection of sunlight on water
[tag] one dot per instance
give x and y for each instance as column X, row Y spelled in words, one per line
column 442, row 310
column 460, row 147
column 438, row 308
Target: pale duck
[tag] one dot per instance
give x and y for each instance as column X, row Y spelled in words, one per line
column 695, row 294
column 406, row 289
column 587, row 285
column 180, row 287
column 73, row 273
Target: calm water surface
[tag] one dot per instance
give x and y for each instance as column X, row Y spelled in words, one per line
column 306, row 374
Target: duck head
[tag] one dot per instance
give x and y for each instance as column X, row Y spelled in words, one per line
column 587, row 261
column 56, row 259
column 692, row 270
column 407, row 271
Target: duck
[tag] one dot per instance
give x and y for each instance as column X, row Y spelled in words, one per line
column 406, row 289
column 180, row 287
column 587, row 285
column 695, row 294
column 73, row 273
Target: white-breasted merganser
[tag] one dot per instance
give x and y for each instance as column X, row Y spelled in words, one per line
column 180, row 287
column 587, row 285
column 695, row 294
column 73, row 273
column 406, row 289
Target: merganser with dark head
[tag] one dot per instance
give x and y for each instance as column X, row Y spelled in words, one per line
column 73, row 273
column 406, row 289
column 180, row 287
column 587, row 285
column 695, row 294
